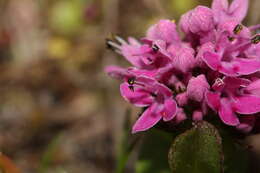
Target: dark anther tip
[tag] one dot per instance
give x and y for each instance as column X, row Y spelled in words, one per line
column 238, row 29
column 255, row 39
column 231, row 38
column 131, row 81
column 155, row 48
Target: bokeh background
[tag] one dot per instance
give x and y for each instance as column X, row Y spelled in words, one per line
column 59, row 111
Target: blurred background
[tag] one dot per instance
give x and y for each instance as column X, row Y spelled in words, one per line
column 59, row 111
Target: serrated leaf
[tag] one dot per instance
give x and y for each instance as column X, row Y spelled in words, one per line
column 198, row 150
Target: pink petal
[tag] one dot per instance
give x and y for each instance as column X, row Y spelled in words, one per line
column 213, row 100
column 164, row 30
column 181, row 116
column 254, row 88
column 161, row 88
column 220, row 8
column 235, row 82
column 170, row 109
column 184, row 22
column 201, row 20
column 238, row 9
column 247, row 66
column 197, row 21
column 247, row 104
column 182, row 99
column 207, row 47
column 246, row 123
column 137, row 96
column 197, row 116
column 228, row 68
column 212, row 60
column 227, row 114
column 220, row 5
column 147, row 120
column 133, row 41
column 183, row 58
column 116, row 72
column 197, row 87
column 141, row 72
column 132, row 54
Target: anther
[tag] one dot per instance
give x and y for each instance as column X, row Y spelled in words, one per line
column 108, row 45
column 238, row 29
column 255, row 39
column 131, row 81
column 153, row 95
column 155, row 48
column 231, row 38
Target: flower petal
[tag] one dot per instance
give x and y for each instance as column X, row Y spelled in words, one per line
column 133, row 53
column 227, row 114
column 183, row 57
column 212, row 60
column 170, row 109
column 246, row 123
column 248, row 104
column 137, row 96
column 164, row 30
column 197, row 115
column 220, row 5
column 254, row 88
column 116, row 72
column 197, row 87
column 197, row 21
column 235, row 82
column 213, row 100
column 238, row 9
column 246, row 66
column 147, row 120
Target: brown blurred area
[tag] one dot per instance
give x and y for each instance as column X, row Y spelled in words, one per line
column 59, row 111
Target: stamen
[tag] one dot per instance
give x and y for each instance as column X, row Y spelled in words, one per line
column 131, row 81
column 153, row 95
column 108, row 45
column 219, row 82
column 131, row 87
column 238, row 29
column 255, row 39
column 120, row 40
column 155, row 48
column 114, row 42
column 231, row 38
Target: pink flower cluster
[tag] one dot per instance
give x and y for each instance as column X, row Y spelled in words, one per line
column 215, row 66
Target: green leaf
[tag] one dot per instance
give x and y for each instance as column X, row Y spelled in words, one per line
column 198, row 150
column 153, row 153
column 49, row 154
column 127, row 145
column 236, row 155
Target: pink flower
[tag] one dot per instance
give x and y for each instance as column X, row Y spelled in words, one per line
column 216, row 65
column 227, row 55
column 230, row 98
column 146, row 92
